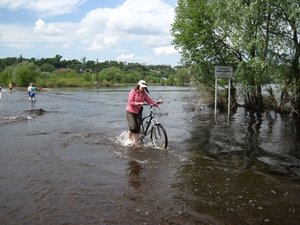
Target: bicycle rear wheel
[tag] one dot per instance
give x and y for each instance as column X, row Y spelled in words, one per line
column 159, row 136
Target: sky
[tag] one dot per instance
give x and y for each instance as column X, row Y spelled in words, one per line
column 135, row 31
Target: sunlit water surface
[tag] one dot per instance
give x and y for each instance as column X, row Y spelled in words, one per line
column 65, row 159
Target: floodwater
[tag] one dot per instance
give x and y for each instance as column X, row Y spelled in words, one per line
column 64, row 160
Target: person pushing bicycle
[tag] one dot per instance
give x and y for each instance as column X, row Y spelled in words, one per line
column 136, row 99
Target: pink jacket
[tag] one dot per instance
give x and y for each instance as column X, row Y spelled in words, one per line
column 135, row 97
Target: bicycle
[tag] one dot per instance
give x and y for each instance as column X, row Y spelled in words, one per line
column 152, row 126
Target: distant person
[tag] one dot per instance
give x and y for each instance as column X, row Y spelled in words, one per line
column 136, row 99
column 32, row 92
column 10, row 87
column 29, row 90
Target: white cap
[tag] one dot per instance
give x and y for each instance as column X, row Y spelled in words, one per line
column 142, row 83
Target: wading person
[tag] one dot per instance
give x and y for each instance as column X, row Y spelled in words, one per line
column 136, row 99
column 32, row 92
column 10, row 87
column 29, row 90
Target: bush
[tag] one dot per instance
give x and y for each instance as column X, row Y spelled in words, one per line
column 6, row 75
column 25, row 73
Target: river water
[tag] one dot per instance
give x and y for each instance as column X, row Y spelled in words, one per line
column 64, row 160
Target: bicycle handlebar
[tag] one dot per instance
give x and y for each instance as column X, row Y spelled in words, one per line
column 155, row 103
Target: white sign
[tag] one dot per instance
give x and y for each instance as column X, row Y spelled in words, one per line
column 223, row 71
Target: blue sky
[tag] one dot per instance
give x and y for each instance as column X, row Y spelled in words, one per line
column 122, row 30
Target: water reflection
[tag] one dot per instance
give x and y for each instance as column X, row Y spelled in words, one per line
column 75, row 169
column 262, row 140
column 245, row 172
column 134, row 171
column 253, row 123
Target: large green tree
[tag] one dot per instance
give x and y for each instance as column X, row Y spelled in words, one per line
column 25, row 73
column 6, row 75
column 256, row 37
column 287, row 50
column 112, row 74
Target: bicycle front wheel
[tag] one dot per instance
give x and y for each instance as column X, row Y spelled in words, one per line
column 159, row 136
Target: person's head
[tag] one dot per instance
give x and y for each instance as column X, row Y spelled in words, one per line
column 142, row 85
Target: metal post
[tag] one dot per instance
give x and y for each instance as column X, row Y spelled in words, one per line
column 229, row 95
column 223, row 71
column 97, row 75
column 216, row 91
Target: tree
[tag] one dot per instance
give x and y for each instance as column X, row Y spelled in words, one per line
column 288, row 49
column 182, row 76
column 6, row 75
column 253, row 36
column 47, row 67
column 91, row 65
column 25, row 73
column 112, row 74
column 56, row 61
column 171, row 80
column 9, row 61
column 130, row 77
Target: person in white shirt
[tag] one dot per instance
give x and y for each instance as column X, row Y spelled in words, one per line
column 29, row 90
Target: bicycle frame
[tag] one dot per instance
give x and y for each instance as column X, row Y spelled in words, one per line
column 150, row 125
column 145, row 130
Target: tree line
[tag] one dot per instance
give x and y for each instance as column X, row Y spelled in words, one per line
column 58, row 72
column 260, row 39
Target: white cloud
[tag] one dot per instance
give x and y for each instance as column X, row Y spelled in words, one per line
column 141, row 23
column 43, row 6
column 42, row 35
column 41, row 27
column 166, row 50
column 66, row 45
column 95, row 21
column 13, row 4
column 125, row 57
column 143, row 59
column 142, row 17
column 95, row 45
column 135, row 20
column 10, row 36
column 157, row 40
